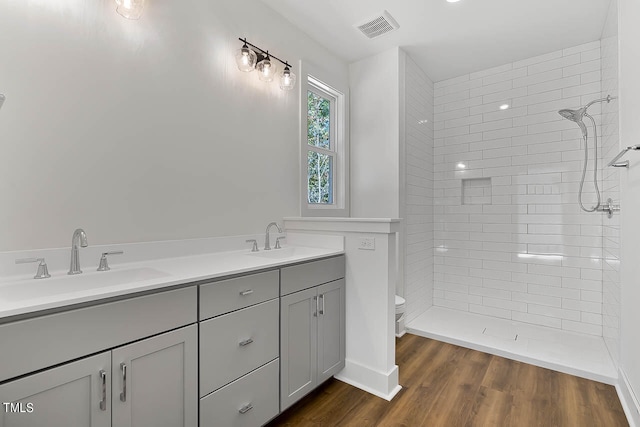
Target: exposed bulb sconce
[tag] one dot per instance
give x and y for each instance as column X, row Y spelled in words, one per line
column 250, row 57
column 266, row 69
column 130, row 9
column 246, row 58
column 2, row 98
column 287, row 79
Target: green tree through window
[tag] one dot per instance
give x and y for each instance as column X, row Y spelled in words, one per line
column 319, row 165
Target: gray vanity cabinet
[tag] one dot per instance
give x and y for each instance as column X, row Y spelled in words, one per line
column 312, row 327
column 75, row 394
column 155, row 381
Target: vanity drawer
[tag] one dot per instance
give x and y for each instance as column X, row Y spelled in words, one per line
column 230, row 405
column 228, row 295
column 310, row 274
column 236, row 343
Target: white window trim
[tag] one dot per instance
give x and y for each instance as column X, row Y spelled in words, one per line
column 340, row 136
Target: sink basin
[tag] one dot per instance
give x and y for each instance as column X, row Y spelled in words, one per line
column 61, row 285
column 275, row 253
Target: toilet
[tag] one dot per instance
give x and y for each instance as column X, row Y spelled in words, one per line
column 400, row 307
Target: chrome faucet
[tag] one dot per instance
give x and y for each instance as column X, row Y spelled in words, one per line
column 79, row 238
column 267, row 243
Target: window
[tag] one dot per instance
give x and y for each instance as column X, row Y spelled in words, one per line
column 323, row 160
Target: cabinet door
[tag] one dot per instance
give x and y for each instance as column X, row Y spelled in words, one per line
column 155, row 381
column 76, row 394
column 298, row 346
column 331, row 329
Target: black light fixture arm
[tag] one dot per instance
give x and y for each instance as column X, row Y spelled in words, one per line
column 264, row 53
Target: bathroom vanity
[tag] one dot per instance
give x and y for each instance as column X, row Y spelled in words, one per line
column 236, row 350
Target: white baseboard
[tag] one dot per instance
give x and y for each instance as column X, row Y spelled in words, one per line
column 381, row 384
column 628, row 399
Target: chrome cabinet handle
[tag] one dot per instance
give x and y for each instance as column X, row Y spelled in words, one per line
column 103, row 381
column 246, row 408
column 322, row 309
column 245, row 342
column 315, row 313
column 246, row 292
column 123, row 394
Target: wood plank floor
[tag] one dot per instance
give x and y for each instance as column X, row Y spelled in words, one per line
column 447, row 385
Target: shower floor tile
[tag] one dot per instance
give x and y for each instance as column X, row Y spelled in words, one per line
column 576, row 354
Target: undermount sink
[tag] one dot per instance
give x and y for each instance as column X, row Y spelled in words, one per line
column 67, row 284
column 275, row 253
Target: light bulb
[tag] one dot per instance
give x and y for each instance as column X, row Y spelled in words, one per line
column 246, row 59
column 130, row 9
column 287, row 79
column 267, row 69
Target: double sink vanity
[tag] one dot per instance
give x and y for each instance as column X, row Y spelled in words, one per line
column 218, row 339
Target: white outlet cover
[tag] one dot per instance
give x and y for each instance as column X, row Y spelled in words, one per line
column 367, row 243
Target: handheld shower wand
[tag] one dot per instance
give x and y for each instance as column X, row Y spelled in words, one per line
column 576, row 116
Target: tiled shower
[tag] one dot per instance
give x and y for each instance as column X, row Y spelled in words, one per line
column 509, row 239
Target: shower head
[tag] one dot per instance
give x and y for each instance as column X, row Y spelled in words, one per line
column 575, row 116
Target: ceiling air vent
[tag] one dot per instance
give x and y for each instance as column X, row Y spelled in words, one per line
column 379, row 25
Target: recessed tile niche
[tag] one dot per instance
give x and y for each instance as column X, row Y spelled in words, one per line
column 476, row 191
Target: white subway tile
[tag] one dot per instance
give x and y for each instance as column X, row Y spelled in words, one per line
column 504, row 95
column 585, row 328
column 554, row 64
column 553, row 291
column 536, row 59
column 559, row 313
column 493, row 88
column 490, row 71
column 490, row 311
column 535, row 319
column 506, row 75
column 563, row 83
column 456, row 305
column 590, row 55
column 582, row 48
column 551, row 301
column 584, row 67
column 537, row 98
column 538, row 78
column 452, row 81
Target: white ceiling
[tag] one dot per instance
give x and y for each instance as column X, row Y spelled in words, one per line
column 450, row 39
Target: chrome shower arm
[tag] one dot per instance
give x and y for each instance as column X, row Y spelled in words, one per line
column 608, row 99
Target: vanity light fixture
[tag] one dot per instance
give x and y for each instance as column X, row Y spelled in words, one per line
column 250, row 57
column 130, row 9
column 504, row 107
column 453, row 1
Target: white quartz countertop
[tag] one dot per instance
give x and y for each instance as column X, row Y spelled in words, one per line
column 28, row 295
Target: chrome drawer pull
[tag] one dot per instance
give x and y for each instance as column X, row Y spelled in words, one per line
column 322, row 309
column 315, row 300
column 103, row 381
column 245, row 342
column 247, row 292
column 246, row 408
column 123, row 395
